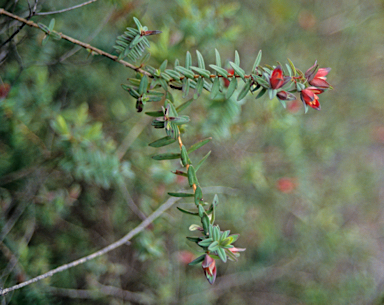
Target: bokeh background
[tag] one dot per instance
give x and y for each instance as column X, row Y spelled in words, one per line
column 306, row 192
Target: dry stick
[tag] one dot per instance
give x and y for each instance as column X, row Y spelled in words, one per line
column 103, row 251
column 66, row 9
column 75, row 41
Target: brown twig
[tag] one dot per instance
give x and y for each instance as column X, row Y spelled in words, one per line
column 65, row 9
column 103, row 251
column 77, row 42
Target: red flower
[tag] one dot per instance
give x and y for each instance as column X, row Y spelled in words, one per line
column 209, row 267
column 309, row 97
column 285, row 96
column 316, row 77
column 235, row 250
column 226, row 81
column 286, row 185
column 277, row 78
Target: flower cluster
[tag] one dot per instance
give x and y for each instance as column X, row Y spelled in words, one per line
column 310, row 85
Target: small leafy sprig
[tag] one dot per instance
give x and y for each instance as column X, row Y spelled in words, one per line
column 279, row 82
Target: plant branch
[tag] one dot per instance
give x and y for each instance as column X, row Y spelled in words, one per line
column 103, row 251
column 65, row 9
column 77, row 42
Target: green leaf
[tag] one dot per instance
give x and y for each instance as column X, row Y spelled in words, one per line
column 300, row 86
column 173, row 74
column 192, row 179
column 184, row 156
column 200, row 60
column 193, row 239
column 199, row 88
column 187, row 212
column 231, row 88
column 166, row 156
column 180, row 173
column 181, row 195
column 261, row 81
column 233, row 238
column 138, row 24
column 145, row 59
column 243, row 93
column 172, row 130
column 198, row 196
column 213, row 246
column 305, row 108
column 237, row 58
column 45, row 40
column 162, row 142
column 205, row 242
column 185, row 72
column 272, row 93
column 143, row 85
column 199, row 144
column 172, row 109
column 205, row 223
column 261, row 93
column 216, row 233
column 51, row 24
column 215, row 88
column 220, row 70
column 184, row 105
column 201, row 210
column 163, row 66
column 257, row 61
column 186, row 85
column 292, row 67
column 188, row 60
column 183, row 119
column 222, row 254
column 218, row 59
column 283, row 103
column 202, row 160
column 231, row 255
column 202, row 72
column 44, row 28
column 154, row 113
column 238, row 70
column 198, row 260
column 165, row 76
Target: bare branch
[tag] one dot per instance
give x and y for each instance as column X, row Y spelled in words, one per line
column 77, row 42
column 66, row 9
column 103, row 251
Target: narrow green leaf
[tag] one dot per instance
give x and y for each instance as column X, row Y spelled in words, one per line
column 186, row 85
column 199, row 144
column 181, row 195
column 205, row 223
column 233, row 238
column 162, row 142
column 145, row 59
column 192, row 179
column 172, row 130
column 237, row 58
column 215, row 201
column 166, row 156
column 172, row 109
column 222, row 254
column 244, row 91
column 220, row 70
column 200, row 60
column 202, row 160
column 163, row 66
column 216, row 233
column 305, row 108
column 193, row 239
column 138, row 24
column 272, row 93
column 188, row 60
column 238, row 70
column 180, row 173
column 283, row 103
column 231, row 255
column 201, row 210
column 199, row 88
column 231, row 88
column 261, row 93
column 261, row 81
column 184, row 156
column 218, row 59
column 154, row 113
column 198, row 260
column 183, row 119
column 205, row 242
column 51, row 24
column 44, row 28
column 134, row 42
column 202, row 72
column 215, row 88
column 175, row 75
column 187, row 212
column 184, row 105
column 185, row 72
column 257, row 61
column 213, row 246
column 143, row 85
column 300, row 86
column 165, row 76
column 198, row 196
column 292, row 67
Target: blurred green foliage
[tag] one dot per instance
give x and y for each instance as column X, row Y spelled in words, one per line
column 306, row 190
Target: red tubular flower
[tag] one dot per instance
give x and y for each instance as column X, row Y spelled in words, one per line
column 309, row 97
column 209, row 267
column 316, row 77
column 277, row 78
column 285, row 96
column 236, row 250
